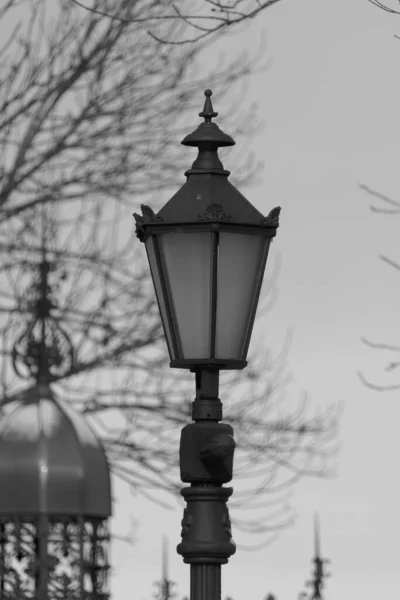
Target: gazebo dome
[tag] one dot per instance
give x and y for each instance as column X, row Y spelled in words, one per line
column 51, row 462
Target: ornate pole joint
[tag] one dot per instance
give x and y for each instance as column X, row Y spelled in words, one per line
column 206, row 527
column 207, row 447
column 206, row 462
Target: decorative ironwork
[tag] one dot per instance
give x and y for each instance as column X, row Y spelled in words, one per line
column 149, row 216
column 29, row 350
column 317, row 582
column 165, row 590
column 165, row 587
column 186, row 522
column 226, row 522
column 272, row 219
column 208, row 132
column 44, row 351
column 214, row 212
column 64, row 558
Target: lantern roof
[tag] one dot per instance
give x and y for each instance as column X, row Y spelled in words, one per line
column 207, row 194
column 209, row 197
column 51, row 461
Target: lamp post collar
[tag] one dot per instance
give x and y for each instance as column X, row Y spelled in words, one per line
column 208, row 137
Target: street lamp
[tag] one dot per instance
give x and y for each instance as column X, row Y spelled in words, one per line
column 207, row 249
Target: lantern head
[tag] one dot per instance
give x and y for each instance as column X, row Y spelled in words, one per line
column 207, row 249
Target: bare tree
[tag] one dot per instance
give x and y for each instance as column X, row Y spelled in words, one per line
column 91, row 109
column 384, row 7
column 207, row 17
column 394, row 364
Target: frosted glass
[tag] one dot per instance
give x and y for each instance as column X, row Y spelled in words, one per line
column 160, row 298
column 188, row 265
column 239, row 261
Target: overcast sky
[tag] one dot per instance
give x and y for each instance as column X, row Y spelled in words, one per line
column 330, row 101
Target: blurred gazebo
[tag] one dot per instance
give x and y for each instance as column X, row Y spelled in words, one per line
column 55, row 496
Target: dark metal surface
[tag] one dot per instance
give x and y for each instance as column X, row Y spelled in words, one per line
column 51, row 462
column 207, row 194
column 168, row 317
column 256, row 297
column 206, row 527
column 208, row 363
column 205, row 582
column 206, row 462
column 208, row 131
column 56, row 558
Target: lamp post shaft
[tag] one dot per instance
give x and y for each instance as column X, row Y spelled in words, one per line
column 206, row 462
column 205, row 582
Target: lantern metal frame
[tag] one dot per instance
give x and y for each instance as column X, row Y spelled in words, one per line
column 155, row 228
column 206, row 203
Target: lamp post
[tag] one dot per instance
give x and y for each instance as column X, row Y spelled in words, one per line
column 207, row 249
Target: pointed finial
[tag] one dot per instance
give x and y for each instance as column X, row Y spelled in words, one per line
column 319, row 575
column 316, row 535
column 44, row 351
column 208, row 111
column 164, row 558
column 208, row 133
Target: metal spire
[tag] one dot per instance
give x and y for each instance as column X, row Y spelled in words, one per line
column 164, row 591
column 44, row 351
column 318, row 562
column 317, row 583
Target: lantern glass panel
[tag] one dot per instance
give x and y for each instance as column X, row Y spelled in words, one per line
column 155, row 273
column 239, row 272
column 187, row 262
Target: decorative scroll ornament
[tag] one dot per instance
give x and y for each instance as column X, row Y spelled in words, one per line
column 44, row 350
column 186, row 522
column 67, row 561
column 272, row 219
column 165, row 590
column 226, row 522
column 29, row 348
column 214, row 212
column 149, row 216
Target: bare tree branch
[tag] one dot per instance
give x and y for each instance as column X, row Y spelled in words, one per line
column 223, row 15
column 380, row 346
column 384, row 198
column 392, row 365
column 384, row 7
column 377, row 388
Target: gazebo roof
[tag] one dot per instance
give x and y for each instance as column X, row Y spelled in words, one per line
column 51, row 461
